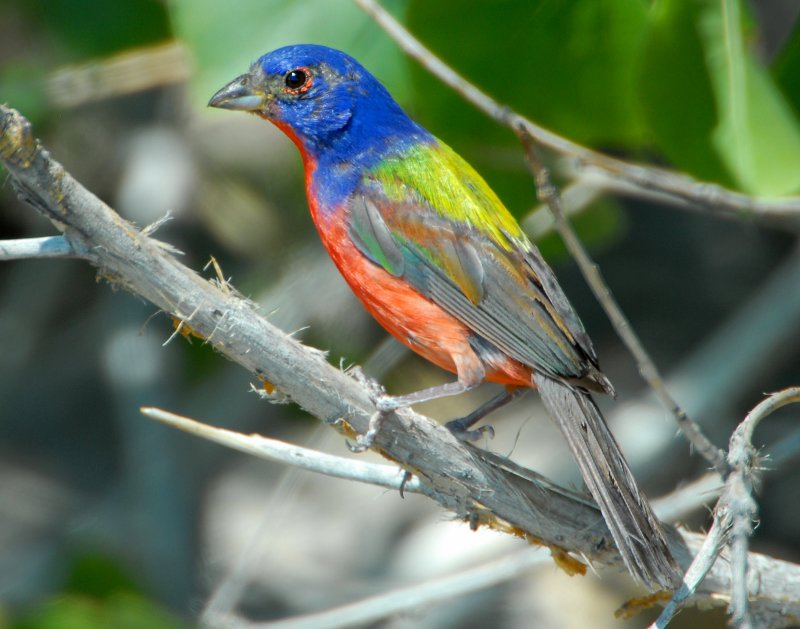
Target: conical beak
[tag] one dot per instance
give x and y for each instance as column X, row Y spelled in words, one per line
column 239, row 95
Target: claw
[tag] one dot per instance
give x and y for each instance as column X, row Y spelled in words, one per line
column 460, row 432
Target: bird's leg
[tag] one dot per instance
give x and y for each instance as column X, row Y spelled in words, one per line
column 461, row 427
column 388, row 403
column 470, row 374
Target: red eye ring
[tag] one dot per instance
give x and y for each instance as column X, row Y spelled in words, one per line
column 297, row 81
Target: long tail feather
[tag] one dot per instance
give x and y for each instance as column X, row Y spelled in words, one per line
column 627, row 513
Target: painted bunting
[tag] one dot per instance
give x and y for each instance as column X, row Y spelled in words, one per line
column 436, row 258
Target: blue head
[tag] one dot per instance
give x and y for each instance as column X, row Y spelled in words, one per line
column 330, row 105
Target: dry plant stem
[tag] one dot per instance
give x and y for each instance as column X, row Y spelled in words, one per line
column 388, row 476
column 683, row 189
column 647, row 368
column 703, row 561
column 739, row 503
column 476, row 485
column 734, row 515
column 689, row 498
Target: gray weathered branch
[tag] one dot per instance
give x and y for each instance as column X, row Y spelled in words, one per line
column 481, row 487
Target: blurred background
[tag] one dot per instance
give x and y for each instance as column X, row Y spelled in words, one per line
column 108, row 520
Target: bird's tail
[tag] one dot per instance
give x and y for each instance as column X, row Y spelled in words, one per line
column 627, row 513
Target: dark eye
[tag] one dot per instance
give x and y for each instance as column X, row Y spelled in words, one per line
column 295, row 79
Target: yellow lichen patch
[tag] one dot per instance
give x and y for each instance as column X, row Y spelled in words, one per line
column 637, row 605
column 346, row 428
column 567, row 562
column 267, row 385
column 17, row 144
column 184, row 329
column 481, row 515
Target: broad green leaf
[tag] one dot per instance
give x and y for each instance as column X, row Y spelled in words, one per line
column 568, row 65
column 84, row 29
column 225, row 38
column 676, row 95
column 787, row 70
column 758, row 135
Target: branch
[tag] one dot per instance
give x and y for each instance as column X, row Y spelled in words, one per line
column 680, row 189
column 388, row 476
column 402, row 600
column 734, row 515
column 48, row 247
column 737, row 508
column 478, row 486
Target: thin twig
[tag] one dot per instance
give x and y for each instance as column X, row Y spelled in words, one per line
column 682, row 188
column 548, row 193
column 701, row 564
column 739, row 504
column 388, row 476
column 47, row 247
column 403, row 600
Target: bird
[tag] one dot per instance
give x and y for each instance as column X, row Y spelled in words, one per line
column 436, row 258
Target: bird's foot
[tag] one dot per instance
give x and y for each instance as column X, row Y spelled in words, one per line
column 461, row 430
column 367, row 440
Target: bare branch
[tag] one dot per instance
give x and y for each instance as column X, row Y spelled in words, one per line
column 47, row 247
column 408, row 599
column 701, row 565
column 688, row 498
column 738, row 508
column 388, row 476
column 684, row 190
column 733, row 520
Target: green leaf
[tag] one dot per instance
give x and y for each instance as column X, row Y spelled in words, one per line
column 787, row 70
column 120, row 611
column 95, row 29
column 224, row 42
column 675, row 92
column 758, row 136
column 568, row 65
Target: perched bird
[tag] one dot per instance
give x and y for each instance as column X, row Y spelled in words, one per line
column 436, row 258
